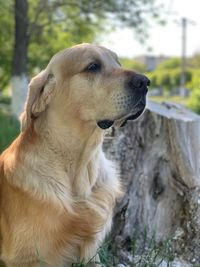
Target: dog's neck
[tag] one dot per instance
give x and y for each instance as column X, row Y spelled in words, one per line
column 77, row 147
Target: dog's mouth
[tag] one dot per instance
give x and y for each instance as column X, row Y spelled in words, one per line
column 132, row 115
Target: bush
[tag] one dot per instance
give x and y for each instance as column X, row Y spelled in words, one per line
column 194, row 100
column 133, row 65
column 170, row 64
column 194, row 86
column 9, row 129
column 169, row 79
column 5, row 100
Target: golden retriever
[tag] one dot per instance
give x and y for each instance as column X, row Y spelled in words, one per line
column 57, row 189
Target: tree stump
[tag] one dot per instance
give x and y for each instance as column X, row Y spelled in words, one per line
column 159, row 160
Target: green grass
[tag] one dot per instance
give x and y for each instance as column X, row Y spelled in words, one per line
column 146, row 254
column 9, row 129
column 149, row 253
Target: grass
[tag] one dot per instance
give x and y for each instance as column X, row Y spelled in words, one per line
column 146, row 254
column 150, row 253
column 105, row 258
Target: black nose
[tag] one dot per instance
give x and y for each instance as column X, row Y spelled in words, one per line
column 139, row 82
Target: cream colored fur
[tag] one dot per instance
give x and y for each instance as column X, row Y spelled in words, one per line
column 57, row 189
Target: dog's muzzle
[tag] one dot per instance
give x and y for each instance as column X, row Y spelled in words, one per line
column 138, row 84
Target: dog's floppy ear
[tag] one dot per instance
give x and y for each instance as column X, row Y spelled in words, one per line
column 40, row 93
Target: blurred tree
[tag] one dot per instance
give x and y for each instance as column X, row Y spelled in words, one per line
column 133, row 64
column 43, row 27
column 169, row 79
column 168, row 74
column 171, row 63
column 6, row 42
column 195, row 60
column 20, row 56
column 194, row 100
column 194, row 85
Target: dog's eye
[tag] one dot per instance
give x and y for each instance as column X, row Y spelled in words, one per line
column 93, row 67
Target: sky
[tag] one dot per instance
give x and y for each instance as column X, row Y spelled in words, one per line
column 163, row 40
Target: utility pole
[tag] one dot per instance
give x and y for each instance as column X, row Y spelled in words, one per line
column 184, row 23
column 183, row 58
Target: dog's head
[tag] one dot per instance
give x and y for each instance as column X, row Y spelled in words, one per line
column 86, row 82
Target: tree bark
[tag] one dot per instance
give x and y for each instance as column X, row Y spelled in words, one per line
column 19, row 64
column 159, row 160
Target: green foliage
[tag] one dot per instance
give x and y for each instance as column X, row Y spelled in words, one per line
column 9, row 129
column 194, row 98
column 195, row 80
column 133, row 65
column 168, row 78
column 6, row 41
column 171, row 63
column 168, row 75
column 194, row 62
column 54, row 25
column 5, row 100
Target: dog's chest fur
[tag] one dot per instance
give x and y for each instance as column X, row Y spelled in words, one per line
column 53, row 225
